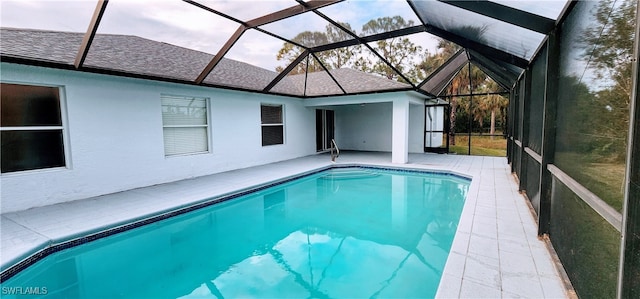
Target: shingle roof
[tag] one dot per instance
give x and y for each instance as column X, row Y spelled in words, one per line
column 141, row 56
column 354, row 81
column 41, row 45
column 320, row 83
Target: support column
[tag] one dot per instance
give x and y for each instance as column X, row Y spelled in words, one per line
column 513, row 123
column 400, row 131
column 549, row 131
column 523, row 112
column 629, row 284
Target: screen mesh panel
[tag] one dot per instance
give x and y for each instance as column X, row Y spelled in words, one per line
column 587, row 245
column 536, row 101
column 533, row 183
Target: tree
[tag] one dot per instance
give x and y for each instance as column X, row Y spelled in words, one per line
column 460, row 85
column 332, row 59
column 608, row 43
column 429, row 64
column 432, row 61
column 461, row 81
column 289, row 52
column 398, row 51
column 340, row 57
column 474, row 109
column 494, row 103
column 607, row 48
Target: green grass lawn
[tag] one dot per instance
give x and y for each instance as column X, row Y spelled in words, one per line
column 604, row 178
column 587, row 245
column 480, row 146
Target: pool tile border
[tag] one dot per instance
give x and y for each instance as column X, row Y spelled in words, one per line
column 50, row 248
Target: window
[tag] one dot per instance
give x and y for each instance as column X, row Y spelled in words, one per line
column 31, row 128
column 272, row 124
column 185, row 125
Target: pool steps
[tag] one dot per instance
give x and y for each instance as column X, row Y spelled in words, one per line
column 349, row 174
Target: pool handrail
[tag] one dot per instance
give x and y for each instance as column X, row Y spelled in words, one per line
column 334, row 146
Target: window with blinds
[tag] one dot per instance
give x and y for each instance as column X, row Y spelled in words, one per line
column 272, row 124
column 31, row 128
column 185, row 125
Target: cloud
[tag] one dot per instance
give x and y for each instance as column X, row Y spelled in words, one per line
column 72, row 16
column 359, row 12
column 246, row 10
column 290, row 27
column 258, row 49
column 173, row 22
column 182, row 24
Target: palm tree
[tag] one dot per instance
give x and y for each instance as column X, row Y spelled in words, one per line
column 460, row 85
column 494, row 103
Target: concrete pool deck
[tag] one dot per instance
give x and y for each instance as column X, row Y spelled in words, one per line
column 496, row 252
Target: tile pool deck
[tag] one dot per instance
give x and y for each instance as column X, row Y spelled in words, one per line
column 496, row 252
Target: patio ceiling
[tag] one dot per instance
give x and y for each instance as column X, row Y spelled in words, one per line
column 236, row 44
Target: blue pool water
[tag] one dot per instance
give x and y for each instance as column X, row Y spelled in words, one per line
column 341, row 233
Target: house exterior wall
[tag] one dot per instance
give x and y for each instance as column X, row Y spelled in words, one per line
column 368, row 127
column 416, row 128
column 115, row 137
column 364, row 127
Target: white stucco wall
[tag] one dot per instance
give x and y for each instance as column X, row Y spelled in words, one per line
column 368, row 127
column 115, row 138
column 365, row 127
column 416, row 128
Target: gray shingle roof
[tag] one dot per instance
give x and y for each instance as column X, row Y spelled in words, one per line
column 141, row 56
column 48, row 46
column 354, row 81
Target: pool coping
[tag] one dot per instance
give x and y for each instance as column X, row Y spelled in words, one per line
column 17, row 264
column 495, row 253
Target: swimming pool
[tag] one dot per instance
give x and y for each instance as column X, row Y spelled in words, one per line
column 345, row 232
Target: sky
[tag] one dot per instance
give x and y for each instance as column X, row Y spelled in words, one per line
column 182, row 24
